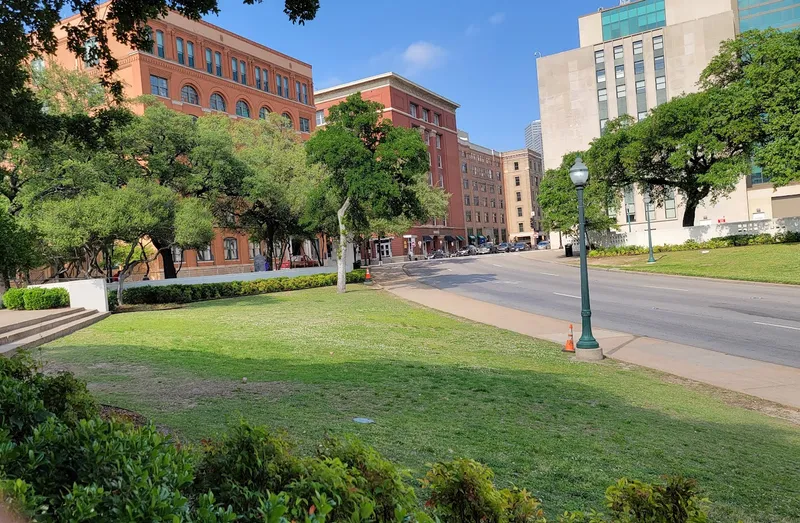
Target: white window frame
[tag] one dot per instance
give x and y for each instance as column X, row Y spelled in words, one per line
column 622, row 91
column 602, row 95
column 600, row 56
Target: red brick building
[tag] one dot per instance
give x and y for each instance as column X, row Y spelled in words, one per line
column 408, row 104
column 198, row 68
column 482, row 192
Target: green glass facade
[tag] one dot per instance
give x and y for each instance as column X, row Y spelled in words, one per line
column 633, row 18
column 761, row 14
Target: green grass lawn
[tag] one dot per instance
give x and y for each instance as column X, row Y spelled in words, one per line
column 764, row 263
column 438, row 388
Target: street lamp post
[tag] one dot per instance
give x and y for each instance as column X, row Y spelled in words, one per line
column 587, row 347
column 647, row 201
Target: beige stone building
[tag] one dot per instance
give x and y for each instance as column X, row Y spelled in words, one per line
column 634, row 57
column 522, row 174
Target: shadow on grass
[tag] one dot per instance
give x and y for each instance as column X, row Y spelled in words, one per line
column 566, row 436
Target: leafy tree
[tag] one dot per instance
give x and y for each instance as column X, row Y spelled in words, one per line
column 558, row 199
column 687, row 144
column 373, row 172
column 19, row 250
column 27, row 31
column 269, row 201
column 756, row 77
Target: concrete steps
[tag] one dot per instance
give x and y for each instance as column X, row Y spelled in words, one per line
column 32, row 332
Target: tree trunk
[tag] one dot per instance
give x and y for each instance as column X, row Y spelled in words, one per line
column 166, row 259
column 341, row 249
column 120, row 283
column 690, row 212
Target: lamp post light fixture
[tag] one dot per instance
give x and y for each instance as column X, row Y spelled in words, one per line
column 587, row 347
column 647, row 201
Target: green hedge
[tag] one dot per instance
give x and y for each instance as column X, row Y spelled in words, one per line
column 736, row 240
column 34, row 299
column 178, row 293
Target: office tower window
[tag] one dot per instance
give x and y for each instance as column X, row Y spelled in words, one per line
column 603, row 123
column 286, row 86
column 257, row 76
column 189, row 95
column 190, row 53
column 179, row 49
column 638, row 67
column 642, row 115
column 619, row 71
column 618, row 52
column 637, row 47
column 320, row 118
column 209, row 63
column 158, row 86
column 640, row 86
column 669, row 205
column 599, row 56
column 243, row 71
column 659, row 63
column 298, row 91
column 436, row 118
column 519, row 212
column 279, row 84
column 661, row 82
column 621, row 91
column 658, row 43
column 601, row 75
column 242, row 109
column 519, row 196
column 602, row 95
column 235, row 69
column 438, row 141
column 305, row 125
column 217, row 102
column 265, row 79
column 516, row 181
column 160, row 43
column 218, row 63
column 413, row 110
column 305, row 94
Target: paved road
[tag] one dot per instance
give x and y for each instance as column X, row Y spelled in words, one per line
column 755, row 321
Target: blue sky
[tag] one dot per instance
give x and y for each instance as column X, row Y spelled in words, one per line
column 479, row 54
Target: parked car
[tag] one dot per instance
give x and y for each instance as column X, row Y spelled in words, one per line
column 437, row 255
column 484, row 249
column 469, row 250
column 542, row 245
column 503, row 247
column 521, row 246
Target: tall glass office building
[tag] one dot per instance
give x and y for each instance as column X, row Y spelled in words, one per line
column 761, row 14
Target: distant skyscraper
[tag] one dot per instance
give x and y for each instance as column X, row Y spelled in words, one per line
column 533, row 136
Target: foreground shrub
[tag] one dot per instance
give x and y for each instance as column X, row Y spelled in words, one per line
column 36, row 298
column 463, row 491
column 178, row 293
column 14, row 299
column 736, row 240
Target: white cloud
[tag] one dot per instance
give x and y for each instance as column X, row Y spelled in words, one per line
column 472, row 30
column 497, row 18
column 421, row 56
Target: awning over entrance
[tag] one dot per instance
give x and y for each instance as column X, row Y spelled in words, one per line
column 427, row 238
column 471, row 236
column 460, row 238
column 450, row 238
column 481, row 237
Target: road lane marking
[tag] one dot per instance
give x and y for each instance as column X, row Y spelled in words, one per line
column 510, row 282
column 567, row 295
column 665, row 288
column 776, row 325
column 496, row 265
column 548, row 274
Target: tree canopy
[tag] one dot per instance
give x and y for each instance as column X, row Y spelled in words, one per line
column 756, row 77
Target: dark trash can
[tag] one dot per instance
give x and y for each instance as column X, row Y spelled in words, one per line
column 568, row 250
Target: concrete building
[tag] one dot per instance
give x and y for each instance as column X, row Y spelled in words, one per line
column 198, row 68
column 533, row 137
column 482, row 192
column 522, row 173
column 411, row 105
column 636, row 56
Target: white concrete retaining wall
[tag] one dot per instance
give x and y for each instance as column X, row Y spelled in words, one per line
column 700, row 233
column 89, row 294
column 219, row 278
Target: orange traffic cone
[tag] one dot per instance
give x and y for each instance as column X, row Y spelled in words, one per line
column 368, row 278
column 570, row 345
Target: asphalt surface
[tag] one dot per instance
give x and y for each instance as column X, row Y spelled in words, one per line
column 756, row 321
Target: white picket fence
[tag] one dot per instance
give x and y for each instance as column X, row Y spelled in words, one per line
column 699, row 233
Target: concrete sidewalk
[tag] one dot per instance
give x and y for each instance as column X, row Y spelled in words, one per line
column 768, row 381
